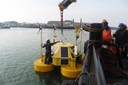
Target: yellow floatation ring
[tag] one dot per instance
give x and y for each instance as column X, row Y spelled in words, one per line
column 40, row 66
column 71, row 72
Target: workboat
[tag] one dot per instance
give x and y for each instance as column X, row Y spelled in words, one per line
column 100, row 63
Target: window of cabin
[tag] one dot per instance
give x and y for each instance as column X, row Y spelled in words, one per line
column 64, row 51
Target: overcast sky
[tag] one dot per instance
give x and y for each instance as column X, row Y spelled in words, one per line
column 114, row 11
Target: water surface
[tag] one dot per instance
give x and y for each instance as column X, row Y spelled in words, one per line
column 19, row 47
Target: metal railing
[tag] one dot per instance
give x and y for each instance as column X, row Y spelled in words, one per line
column 92, row 72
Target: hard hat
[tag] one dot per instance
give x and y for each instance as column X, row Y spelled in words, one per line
column 121, row 25
column 104, row 21
column 48, row 41
column 125, row 26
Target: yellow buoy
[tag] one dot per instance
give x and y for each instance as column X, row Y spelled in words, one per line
column 71, row 72
column 40, row 66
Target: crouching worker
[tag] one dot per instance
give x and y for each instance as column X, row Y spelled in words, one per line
column 47, row 46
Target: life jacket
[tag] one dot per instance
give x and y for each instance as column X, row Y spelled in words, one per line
column 106, row 36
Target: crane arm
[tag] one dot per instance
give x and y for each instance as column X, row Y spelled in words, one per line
column 65, row 3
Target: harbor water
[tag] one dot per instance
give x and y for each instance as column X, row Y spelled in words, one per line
column 19, row 47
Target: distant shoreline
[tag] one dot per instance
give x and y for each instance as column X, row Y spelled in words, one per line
column 67, row 24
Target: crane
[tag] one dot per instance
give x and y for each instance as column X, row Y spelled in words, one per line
column 63, row 5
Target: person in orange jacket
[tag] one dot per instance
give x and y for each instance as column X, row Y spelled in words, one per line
column 106, row 36
column 106, row 33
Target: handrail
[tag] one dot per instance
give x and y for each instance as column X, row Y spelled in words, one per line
column 98, row 69
column 92, row 72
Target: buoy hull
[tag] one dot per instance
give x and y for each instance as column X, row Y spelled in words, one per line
column 40, row 66
column 71, row 72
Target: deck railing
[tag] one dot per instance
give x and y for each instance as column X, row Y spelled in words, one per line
column 92, row 72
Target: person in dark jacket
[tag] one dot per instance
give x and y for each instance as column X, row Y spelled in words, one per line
column 47, row 46
column 126, row 33
column 121, row 38
column 121, row 35
column 125, row 46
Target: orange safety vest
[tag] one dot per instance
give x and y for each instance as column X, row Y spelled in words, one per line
column 106, row 36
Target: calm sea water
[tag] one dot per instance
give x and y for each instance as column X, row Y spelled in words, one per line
column 19, row 47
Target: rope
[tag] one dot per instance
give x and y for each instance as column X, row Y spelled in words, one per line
column 84, row 73
column 79, row 43
column 65, row 38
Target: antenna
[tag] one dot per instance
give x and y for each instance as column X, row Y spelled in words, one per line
column 81, row 34
column 41, row 35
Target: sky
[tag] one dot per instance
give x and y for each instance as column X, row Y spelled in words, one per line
column 114, row 11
